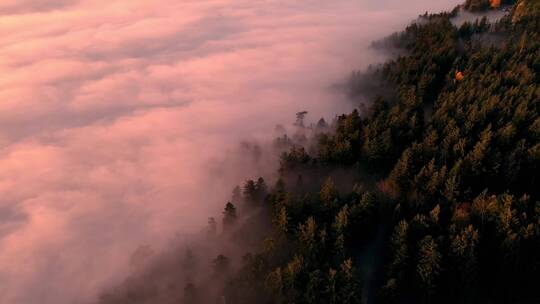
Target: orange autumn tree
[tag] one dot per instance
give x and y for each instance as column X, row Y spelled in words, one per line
column 495, row 3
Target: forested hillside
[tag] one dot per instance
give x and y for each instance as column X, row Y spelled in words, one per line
column 428, row 194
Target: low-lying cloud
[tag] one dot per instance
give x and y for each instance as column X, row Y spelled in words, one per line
column 114, row 116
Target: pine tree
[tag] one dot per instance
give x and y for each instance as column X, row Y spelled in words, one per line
column 340, row 225
column 429, row 264
column 250, row 192
column 400, row 250
column 261, row 189
column 349, row 288
column 229, row 216
column 328, row 193
column 221, row 264
column 307, row 233
column 464, row 249
column 282, row 221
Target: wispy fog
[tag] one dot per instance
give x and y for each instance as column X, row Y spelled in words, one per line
column 491, row 15
column 119, row 119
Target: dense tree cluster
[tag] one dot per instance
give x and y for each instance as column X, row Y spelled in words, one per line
column 455, row 153
column 483, row 5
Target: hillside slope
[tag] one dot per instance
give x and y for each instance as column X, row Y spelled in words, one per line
column 446, row 175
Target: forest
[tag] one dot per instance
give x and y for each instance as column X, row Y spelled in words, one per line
column 428, row 193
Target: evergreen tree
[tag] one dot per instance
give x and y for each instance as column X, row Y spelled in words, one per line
column 261, row 189
column 328, row 193
column 221, row 264
column 429, row 264
column 250, row 191
column 229, row 216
